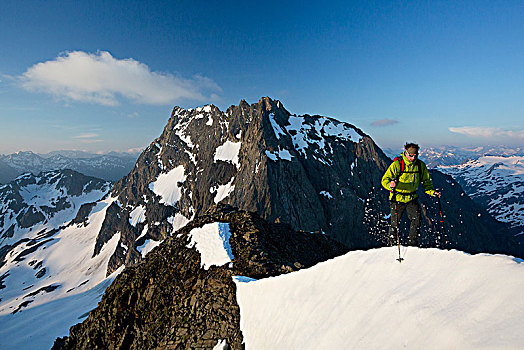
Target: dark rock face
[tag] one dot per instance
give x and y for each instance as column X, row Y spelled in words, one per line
column 312, row 172
column 167, row 301
column 83, row 213
column 260, row 158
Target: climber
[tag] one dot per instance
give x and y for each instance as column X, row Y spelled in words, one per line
column 402, row 179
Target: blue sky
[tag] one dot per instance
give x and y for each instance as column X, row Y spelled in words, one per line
column 104, row 76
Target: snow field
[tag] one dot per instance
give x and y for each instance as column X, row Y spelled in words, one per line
column 137, row 215
column 365, row 299
column 223, row 191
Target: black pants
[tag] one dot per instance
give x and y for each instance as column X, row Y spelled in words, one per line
column 413, row 210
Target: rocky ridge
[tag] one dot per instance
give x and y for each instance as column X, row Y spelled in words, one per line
column 168, row 301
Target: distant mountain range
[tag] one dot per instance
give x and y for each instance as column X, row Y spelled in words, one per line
column 451, row 155
column 111, row 167
column 497, row 183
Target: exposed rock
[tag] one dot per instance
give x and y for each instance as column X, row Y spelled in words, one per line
column 168, row 301
column 83, row 213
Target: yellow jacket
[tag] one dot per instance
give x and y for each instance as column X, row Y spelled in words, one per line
column 409, row 181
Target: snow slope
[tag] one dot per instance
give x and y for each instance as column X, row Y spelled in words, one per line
column 71, row 284
column 435, row 299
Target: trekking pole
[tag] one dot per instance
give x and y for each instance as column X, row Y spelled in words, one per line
column 397, row 224
column 442, row 220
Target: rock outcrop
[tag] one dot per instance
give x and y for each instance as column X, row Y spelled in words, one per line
column 169, row 301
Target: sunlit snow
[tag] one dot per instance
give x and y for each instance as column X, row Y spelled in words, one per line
column 223, row 191
column 166, row 185
column 79, row 277
column 137, row 215
column 434, row 299
column 228, row 152
column 178, row 221
column 499, row 180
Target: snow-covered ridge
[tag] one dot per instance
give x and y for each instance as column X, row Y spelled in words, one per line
column 45, row 201
column 365, row 299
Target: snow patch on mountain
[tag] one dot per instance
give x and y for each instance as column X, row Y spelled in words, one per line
column 178, row 221
column 167, row 185
column 434, row 300
column 228, row 152
column 326, row 194
column 307, row 133
column 276, row 128
column 222, row 191
column 137, row 215
column 148, row 246
column 280, row 154
column 212, row 242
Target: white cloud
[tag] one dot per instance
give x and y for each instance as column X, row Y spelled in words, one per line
column 85, row 136
column 100, row 78
column 384, row 122
column 486, row 132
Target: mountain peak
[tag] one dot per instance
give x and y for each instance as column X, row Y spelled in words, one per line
column 269, row 104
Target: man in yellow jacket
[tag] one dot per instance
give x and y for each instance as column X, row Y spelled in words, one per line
column 402, row 179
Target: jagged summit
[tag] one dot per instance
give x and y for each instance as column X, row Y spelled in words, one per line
column 257, row 157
